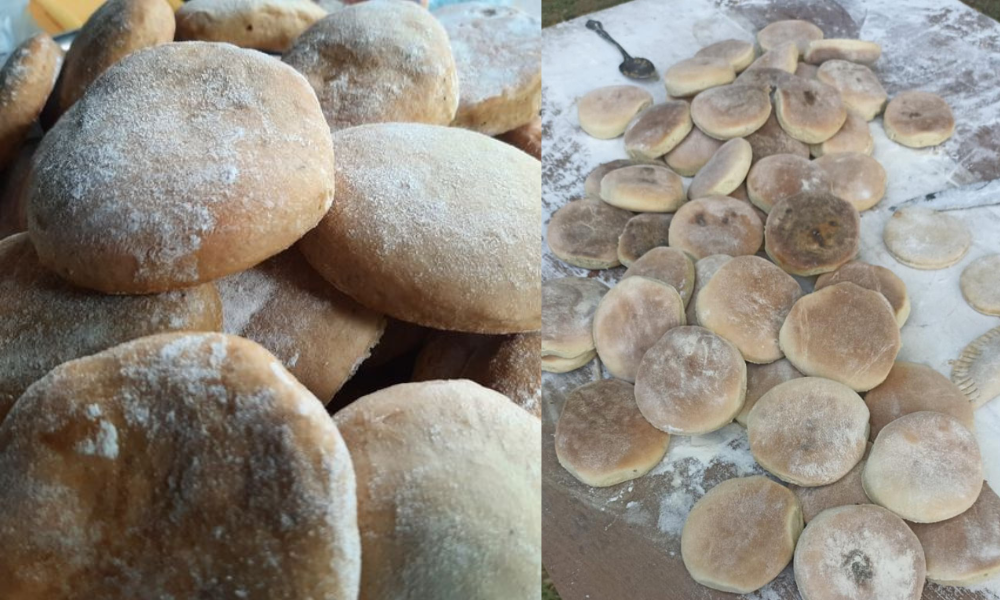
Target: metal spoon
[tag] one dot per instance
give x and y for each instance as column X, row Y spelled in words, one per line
column 634, row 67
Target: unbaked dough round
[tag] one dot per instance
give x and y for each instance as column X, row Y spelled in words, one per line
column 730, row 111
column 269, row 25
column 669, row 265
column 657, row 130
column 630, row 319
column 376, row 62
column 237, row 482
column 925, row 467
column 794, row 30
column 568, row 306
column 429, row 491
column 741, row 534
column 812, row 233
column 704, row 270
column 605, row 113
column 860, row 90
column 859, row 553
column 738, row 53
column 926, row 239
column 693, row 75
column 809, row 111
column 843, row 332
column 689, row 156
column 584, row 233
column 912, row 387
column 874, row 278
column 808, row 431
column 716, row 225
column 854, row 136
column 691, row 381
column 26, row 80
column 856, row 51
column 233, row 166
column 855, row 177
column 746, row 302
column 918, row 119
column 760, row 380
column 601, row 437
column 846, row 491
column 977, row 370
column 454, row 243
column 724, row 172
column 643, row 188
column 771, row 139
column 642, row 233
column 980, row 282
column 780, row 176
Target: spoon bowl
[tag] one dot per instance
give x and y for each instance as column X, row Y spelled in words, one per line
column 633, row 67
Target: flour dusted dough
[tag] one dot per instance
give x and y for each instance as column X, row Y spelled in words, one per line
column 270, row 25
column 766, row 79
column 874, row 278
column 26, row 81
column 658, row 130
column 855, row 177
column 780, row 176
column 980, row 284
column 693, row 75
column 843, row 332
column 809, row 111
column 977, row 370
column 964, row 550
column 630, row 319
column 771, row 139
column 860, row 90
column 760, row 380
column 568, row 306
column 671, row 266
column 846, row 491
column 854, row 136
column 429, row 505
column 724, row 172
column 812, row 233
column 926, row 239
column 741, row 534
column 605, row 113
column 704, row 269
column 603, row 439
column 856, row 51
column 643, row 188
column 912, row 387
column 918, row 119
column 691, row 154
column 238, row 483
column 642, row 233
column 498, row 56
column 859, row 553
column 738, row 53
column 925, row 467
column 784, row 57
column 690, row 382
column 808, row 431
column 730, row 111
column 780, row 32
column 376, row 62
column 584, row 233
column 716, row 225
column 455, row 248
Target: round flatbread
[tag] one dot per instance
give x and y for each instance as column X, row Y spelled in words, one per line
column 26, row 80
column 780, row 176
column 669, row 265
column 642, row 233
column 658, row 130
column 926, row 239
column 730, row 111
column 568, row 306
column 812, row 233
column 693, row 75
column 760, row 380
column 270, row 25
column 846, row 491
column 809, row 111
column 738, row 53
column 716, row 225
column 918, row 119
column 855, row 177
column 980, row 284
column 912, row 387
column 724, row 172
column 874, row 278
column 691, row 154
column 643, row 188
column 794, row 30
column 605, row 113
column 585, row 233
column 854, row 136
column 859, row 88
column 856, row 51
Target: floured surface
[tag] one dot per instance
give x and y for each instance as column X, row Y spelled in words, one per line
column 941, row 47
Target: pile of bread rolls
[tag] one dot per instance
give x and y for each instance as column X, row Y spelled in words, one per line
column 719, row 316
column 208, row 241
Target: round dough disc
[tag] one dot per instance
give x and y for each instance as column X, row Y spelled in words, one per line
column 912, row 387
column 855, row 177
column 585, row 233
column 605, row 113
column 977, row 370
column 741, row 534
column 689, row 156
column 643, row 188
column 780, row 176
column 704, row 270
column 798, row 31
column 846, row 491
column 875, row 278
column 854, row 136
column 716, row 225
column 980, row 283
column 26, row 81
column 738, row 53
column 808, row 431
column 918, row 119
column 658, row 130
column 760, row 380
column 237, row 482
column 926, row 239
column 601, row 437
column 642, row 233
column 568, row 306
column 269, row 25
column 860, row 90
column 812, row 233
column 925, row 467
column 724, row 172
column 693, row 75
column 690, row 382
column 809, row 111
column 730, row 111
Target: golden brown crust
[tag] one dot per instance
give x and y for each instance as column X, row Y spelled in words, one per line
column 918, row 119
column 771, row 139
column 812, row 233
column 738, row 53
column 809, row 111
column 643, row 188
column 527, row 137
column 912, row 387
column 724, row 172
column 585, row 233
column 26, row 81
column 14, row 192
column 793, row 30
column 693, row 75
column 730, row 111
column 605, row 113
column 691, row 154
column 669, row 265
column 658, row 130
column 270, row 25
column 760, row 380
column 592, row 184
column 642, row 233
column 716, row 225
column 783, row 57
column 568, row 306
column 875, row 278
column 855, row 177
column 780, row 176
column 856, row 51
column 854, row 136
column 846, row 491
column 860, row 90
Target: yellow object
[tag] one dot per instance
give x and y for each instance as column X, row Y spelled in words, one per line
column 57, row 16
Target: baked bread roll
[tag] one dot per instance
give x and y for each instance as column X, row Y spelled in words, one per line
column 498, row 56
column 809, row 111
column 857, row 51
column 846, row 491
column 923, row 238
column 854, row 136
column 643, row 188
column 26, row 80
column 592, row 183
column 671, row 266
column 693, row 75
column 605, row 113
column 183, row 163
column 812, row 233
column 643, row 233
column 658, row 130
column 918, row 119
column 780, row 176
column 568, row 306
column 794, row 30
column 460, row 471
column 724, row 172
column 692, row 153
column 237, row 482
column 443, row 236
column 860, row 90
column 783, row 57
column 379, row 61
column 730, row 111
column 14, row 192
column 270, row 25
column 912, row 387
column 760, row 380
column 855, row 177
column 874, row 278
column 584, row 233
column 981, row 285
column 738, row 53
column 716, row 225
column 704, row 270
column 771, row 139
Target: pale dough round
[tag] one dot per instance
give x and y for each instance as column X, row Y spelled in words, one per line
column 584, row 233
column 642, row 233
column 26, row 80
column 704, row 269
column 428, row 492
column 592, row 184
column 124, row 200
column 716, row 225
column 780, row 32
column 760, row 380
column 724, row 172
column 784, row 57
column 771, row 139
column 812, row 233
column 605, row 113
column 691, row 154
column 630, row 319
column 843, row 332
column 693, row 75
column 854, row 136
column 925, row 467
column 730, row 111
column 855, row 177
column 808, row 431
column 809, row 111
column 860, row 90
column 856, row 51
column 738, row 53
column 912, row 387
column 846, row 491
column 669, row 265
column 601, row 437
column 658, row 130
column 690, row 382
column 455, row 243
column 238, row 484
column 918, row 119
column 643, row 188
column 859, row 553
column 980, row 282
column 926, row 239
column 270, row 25
column 746, row 302
column 780, row 176
column 977, row 370
column 964, row 550
column 874, row 278
column 741, row 534
column 568, row 306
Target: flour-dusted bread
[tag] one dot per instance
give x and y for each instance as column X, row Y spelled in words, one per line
column 671, row 266
column 980, row 283
column 716, row 225
column 238, row 482
column 643, row 188
column 460, row 471
column 854, row 136
column 923, row 238
column 658, row 130
column 376, row 62
column 605, row 113
column 783, row 57
column 780, row 176
column 918, row 119
column 527, row 137
column 693, row 75
column 724, row 172
column 738, row 53
column 730, row 111
column 793, row 30
column 183, row 163
column 568, row 306
column 875, row 278
column 498, row 55
column 585, row 233
column 704, row 269
column 771, row 139
column 812, row 233
column 692, row 153
column 270, row 25
column 26, row 80
column 643, row 233
column 856, row 51
column 760, row 380
column 846, row 491
column 855, row 177
column 443, row 236
column 859, row 88
column 912, row 387
column 592, row 183
column 809, row 111
column 977, row 370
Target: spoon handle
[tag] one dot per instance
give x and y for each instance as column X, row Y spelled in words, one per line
column 599, row 29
